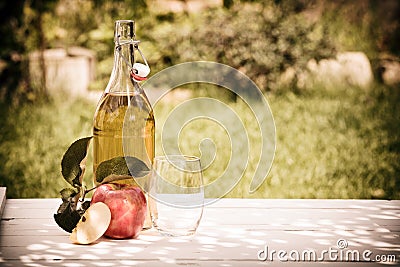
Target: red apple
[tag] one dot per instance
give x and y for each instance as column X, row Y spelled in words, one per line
column 128, row 208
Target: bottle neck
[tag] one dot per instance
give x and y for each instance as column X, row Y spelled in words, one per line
column 120, row 80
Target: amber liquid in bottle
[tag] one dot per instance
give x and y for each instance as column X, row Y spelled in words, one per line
column 123, row 123
column 116, row 136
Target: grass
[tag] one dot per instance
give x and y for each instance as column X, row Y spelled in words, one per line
column 341, row 143
column 32, row 142
column 331, row 143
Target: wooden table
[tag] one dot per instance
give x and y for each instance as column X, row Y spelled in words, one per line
column 233, row 232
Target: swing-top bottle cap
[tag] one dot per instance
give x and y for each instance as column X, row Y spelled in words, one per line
column 124, row 31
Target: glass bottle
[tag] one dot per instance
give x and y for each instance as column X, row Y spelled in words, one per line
column 124, row 121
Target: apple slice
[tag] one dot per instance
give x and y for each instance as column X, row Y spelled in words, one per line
column 92, row 225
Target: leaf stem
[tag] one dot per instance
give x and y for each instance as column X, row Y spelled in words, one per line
column 85, row 191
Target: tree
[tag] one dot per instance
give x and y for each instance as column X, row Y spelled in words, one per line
column 39, row 8
column 11, row 49
column 16, row 26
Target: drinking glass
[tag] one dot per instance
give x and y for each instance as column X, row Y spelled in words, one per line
column 176, row 194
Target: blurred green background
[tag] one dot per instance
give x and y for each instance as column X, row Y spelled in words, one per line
column 336, row 138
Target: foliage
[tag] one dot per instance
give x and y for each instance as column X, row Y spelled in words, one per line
column 260, row 40
column 73, row 165
column 28, row 26
column 25, row 30
column 11, row 47
column 120, row 168
column 369, row 26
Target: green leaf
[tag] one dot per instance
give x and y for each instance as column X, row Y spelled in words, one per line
column 69, row 213
column 119, row 168
column 112, row 178
column 68, row 193
column 73, row 162
column 137, row 168
column 67, row 217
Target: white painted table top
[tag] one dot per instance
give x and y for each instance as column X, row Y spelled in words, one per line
column 233, row 232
